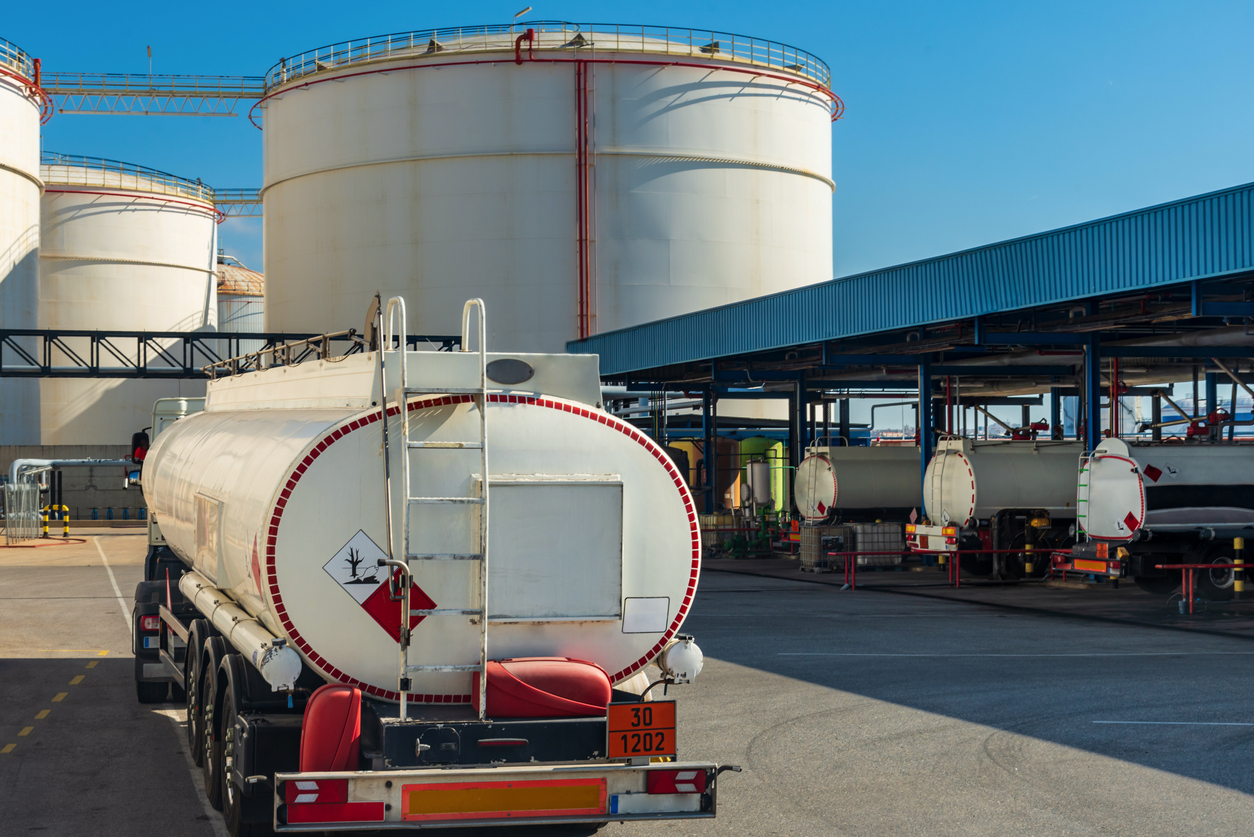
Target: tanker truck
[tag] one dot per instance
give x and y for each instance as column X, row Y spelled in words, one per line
column 982, row 497
column 402, row 589
column 857, row 484
column 1148, row 503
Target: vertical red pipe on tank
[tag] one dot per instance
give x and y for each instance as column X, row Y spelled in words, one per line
column 581, row 197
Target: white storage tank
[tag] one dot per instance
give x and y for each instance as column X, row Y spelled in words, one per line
column 125, row 248
column 20, row 107
column 604, row 177
column 969, row 480
column 241, row 303
column 850, row 480
column 275, row 494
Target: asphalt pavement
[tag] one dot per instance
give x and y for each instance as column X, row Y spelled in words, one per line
column 851, row 712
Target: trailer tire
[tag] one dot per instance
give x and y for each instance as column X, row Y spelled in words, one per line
column 151, row 692
column 211, row 703
column 233, row 800
column 1216, row 585
column 199, row 633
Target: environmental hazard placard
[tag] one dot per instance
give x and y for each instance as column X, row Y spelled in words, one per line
column 355, row 567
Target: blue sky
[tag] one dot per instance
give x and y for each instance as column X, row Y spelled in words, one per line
column 966, row 123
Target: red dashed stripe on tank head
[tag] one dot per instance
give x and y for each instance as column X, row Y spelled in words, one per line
column 373, row 417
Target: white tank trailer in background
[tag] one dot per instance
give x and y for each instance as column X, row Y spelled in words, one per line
column 998, row 495
column 332, row 592
column 1148, row 503
column 857, row 483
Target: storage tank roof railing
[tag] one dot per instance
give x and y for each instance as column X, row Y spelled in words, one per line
column 16, row 60
column 73, row 170
column 553, row 36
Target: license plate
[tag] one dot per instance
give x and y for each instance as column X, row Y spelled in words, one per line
column 637, row 730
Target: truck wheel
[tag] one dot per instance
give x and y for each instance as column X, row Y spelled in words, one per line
column 1216, row 584
column 200, row 632
column 1158, row 585
column 232, row 796
column 211, row 738
column 151, row 692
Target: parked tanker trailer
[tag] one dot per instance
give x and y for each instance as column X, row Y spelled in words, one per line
column 403, row 589
column 1143, row 504
column 987, row 497
column 857, row 484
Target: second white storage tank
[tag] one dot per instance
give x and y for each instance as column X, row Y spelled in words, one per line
column 125, row 248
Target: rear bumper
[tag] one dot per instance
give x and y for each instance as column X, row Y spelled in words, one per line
column 1090, row 557
column 932, row 539
column 528, row 795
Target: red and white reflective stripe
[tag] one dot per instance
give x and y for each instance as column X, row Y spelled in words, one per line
column 676, row 781
column 322, row 791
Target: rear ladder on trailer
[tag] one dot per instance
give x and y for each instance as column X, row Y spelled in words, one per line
column 479, row 394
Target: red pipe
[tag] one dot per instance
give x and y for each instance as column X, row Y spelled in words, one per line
column 46, row 105
column 530, row 37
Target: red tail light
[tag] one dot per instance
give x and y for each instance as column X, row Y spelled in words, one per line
column 150, row 623
column 676, row 781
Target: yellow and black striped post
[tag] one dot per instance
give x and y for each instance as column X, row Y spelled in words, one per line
column 65, row 521
column 1028, row 565
column 45, row 513
column 1238, row 574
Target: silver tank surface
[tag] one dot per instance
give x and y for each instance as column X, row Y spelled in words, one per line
column 853, row 478
column 968, row 479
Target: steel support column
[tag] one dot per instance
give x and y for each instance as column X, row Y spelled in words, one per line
column 844, row 420
column 708, row 431
column 1212, row 392
column 926, row 440
column 1055, row 414
column 1092, row 393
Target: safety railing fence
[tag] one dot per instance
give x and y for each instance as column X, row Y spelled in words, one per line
column 22, row 512
column 114, row 84
column 238, row 203
column 555, row 36
column 16, row 60
column 58, row 169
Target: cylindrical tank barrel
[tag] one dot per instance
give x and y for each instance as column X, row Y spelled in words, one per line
column 608, row 177
column 593, row 546
column 851, row 479
column 125, row 248
column 969, row 480
column 20, row 187
column 1128, row 486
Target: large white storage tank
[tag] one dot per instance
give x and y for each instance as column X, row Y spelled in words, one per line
column 125, row 248
column 20, row 108
column 601, row 177
column 883, row 479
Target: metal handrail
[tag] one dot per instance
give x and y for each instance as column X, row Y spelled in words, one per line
column 553, row 36
column 237, row 87
column 74, row 170
column 12, row 57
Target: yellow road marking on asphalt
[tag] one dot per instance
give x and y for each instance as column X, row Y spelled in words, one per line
column 43, row 713
column 92, row 664
column 60, row 697
column 25, row 731
column 77, row 680
column 8, row 748
column 95, row 651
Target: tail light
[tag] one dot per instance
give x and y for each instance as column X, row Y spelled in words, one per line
column 951, row 541
column 150, row 623
column 676, row 781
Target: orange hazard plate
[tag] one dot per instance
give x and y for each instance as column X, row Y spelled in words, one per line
column 641, row 729
column 1090, row 566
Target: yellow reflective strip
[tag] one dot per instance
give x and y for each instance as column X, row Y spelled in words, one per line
column 488, row 800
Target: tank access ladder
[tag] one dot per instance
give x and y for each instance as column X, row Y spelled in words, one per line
column 402, row 395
